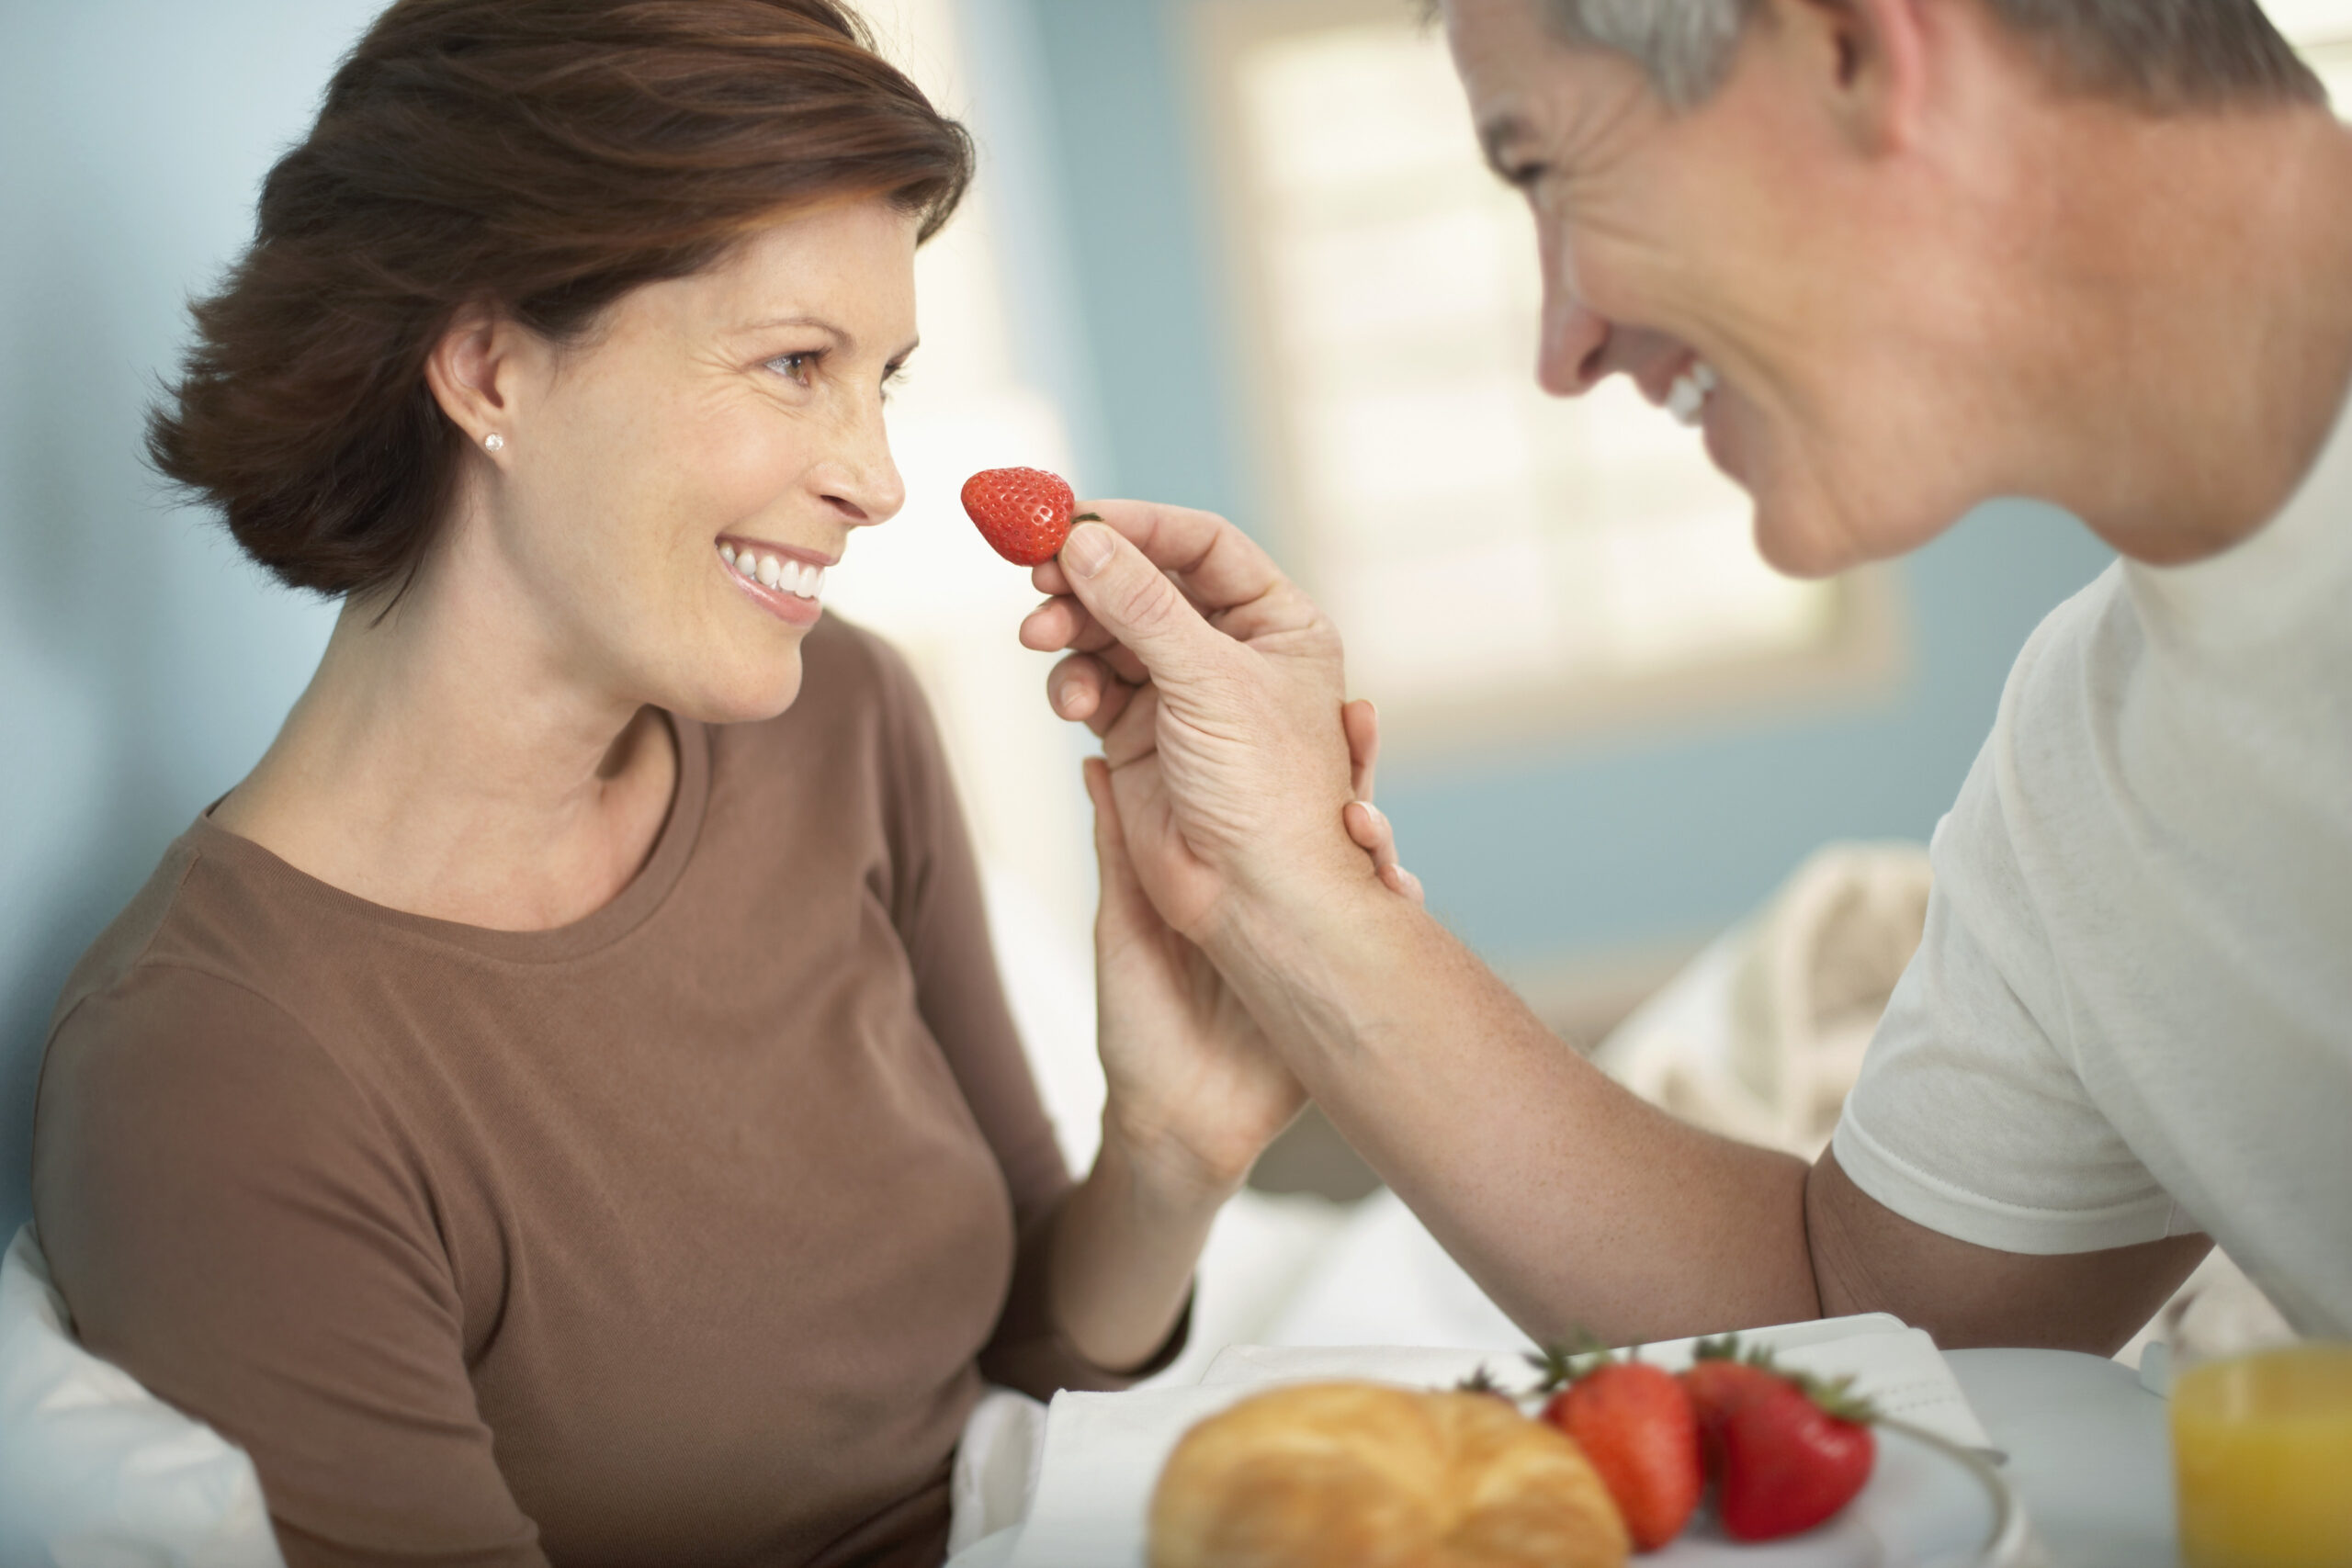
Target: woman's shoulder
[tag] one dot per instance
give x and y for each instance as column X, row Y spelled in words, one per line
column 218, row 910
column 187, row 996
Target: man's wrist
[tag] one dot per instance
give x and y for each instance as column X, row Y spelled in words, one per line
column 1290, row 936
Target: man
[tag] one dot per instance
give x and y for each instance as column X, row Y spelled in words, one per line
column 1899, row 257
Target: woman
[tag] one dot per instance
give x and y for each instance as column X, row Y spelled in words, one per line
column 560, row 1104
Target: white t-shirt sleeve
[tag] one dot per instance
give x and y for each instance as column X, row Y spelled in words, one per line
column 2132, row 1015
column 1970, row 1116
column 1969, row 1120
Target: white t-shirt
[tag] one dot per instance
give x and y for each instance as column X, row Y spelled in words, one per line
column 2132, row 1015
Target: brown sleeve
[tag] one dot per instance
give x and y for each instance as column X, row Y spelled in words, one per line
column 231, row 1223
column 938, row 909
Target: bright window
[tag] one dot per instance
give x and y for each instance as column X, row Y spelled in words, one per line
column 2323, row 30
column 1498, row 561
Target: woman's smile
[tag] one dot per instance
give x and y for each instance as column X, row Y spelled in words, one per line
column 786, row 581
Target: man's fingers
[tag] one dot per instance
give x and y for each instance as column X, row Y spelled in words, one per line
column 1048, row 577
column 1135, row 733
column 1221, row 566
column 1081, row 690
column 1055, row 624
column 1133, row 600
column 1361, row 722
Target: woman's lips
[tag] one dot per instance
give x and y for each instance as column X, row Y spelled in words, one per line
column 783, row 583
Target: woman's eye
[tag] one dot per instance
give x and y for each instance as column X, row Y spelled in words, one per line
column 892, row 379
column 796, row 367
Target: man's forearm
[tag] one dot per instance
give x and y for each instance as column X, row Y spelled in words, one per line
column 1574, row 1203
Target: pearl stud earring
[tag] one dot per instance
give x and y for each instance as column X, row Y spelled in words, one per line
column 493, row 442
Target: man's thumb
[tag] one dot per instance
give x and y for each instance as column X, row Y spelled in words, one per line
column 1135, row 602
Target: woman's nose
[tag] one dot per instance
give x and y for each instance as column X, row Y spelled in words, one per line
column 1574, row 356
column 863, row 482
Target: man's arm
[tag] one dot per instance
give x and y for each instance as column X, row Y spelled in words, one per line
column 1867, row 1258
column 1574, row 1203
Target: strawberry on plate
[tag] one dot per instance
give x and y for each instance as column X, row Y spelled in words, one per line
column 1788, row 1451
column 1635, row 1423
column 1024, row 514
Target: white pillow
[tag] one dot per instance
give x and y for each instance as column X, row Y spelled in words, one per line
column 95, row 1472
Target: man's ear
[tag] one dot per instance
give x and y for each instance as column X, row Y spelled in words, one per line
column 474, row 370
column 1867, row 60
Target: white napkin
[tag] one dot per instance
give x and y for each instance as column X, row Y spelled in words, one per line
column 1103, row 1451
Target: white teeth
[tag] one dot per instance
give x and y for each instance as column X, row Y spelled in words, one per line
column 1686, row 399
column 780, row 572
column 1704, row 374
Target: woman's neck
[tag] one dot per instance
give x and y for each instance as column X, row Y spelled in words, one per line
column 445, row 761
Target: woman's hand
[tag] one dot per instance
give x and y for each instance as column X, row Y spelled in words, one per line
column 1195, row 1093
column 1194, row 1088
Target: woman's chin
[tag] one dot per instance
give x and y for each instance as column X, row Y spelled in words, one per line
column 754, row 696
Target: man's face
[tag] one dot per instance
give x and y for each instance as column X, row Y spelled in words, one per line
column 1755, row 264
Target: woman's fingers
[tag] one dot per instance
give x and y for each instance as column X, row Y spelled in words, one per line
column 1370, row 831
column 1122, row 893
column 1360, row 721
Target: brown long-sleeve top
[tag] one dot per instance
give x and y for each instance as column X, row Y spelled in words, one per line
column 683, row 1234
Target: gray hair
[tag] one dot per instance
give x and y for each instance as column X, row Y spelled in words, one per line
column 2159, row 53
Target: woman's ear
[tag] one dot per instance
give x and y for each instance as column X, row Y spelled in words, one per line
column 474, row 371
column 1867, row 61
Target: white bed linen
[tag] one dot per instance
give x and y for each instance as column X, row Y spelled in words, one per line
column 95, row 1470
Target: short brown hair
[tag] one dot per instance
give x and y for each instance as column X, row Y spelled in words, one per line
column 540, row 156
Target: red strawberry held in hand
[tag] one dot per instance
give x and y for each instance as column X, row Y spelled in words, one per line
column 1635, row 1423
column 1024, row 514
column 1791, row 1451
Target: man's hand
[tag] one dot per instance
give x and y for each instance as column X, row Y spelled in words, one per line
column 1216, row 687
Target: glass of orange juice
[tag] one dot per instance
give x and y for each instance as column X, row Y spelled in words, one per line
column 2262, row 1453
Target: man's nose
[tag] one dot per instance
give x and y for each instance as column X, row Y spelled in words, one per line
column 1574, row 356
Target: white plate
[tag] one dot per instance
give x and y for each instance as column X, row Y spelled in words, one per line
column 1930, row 1504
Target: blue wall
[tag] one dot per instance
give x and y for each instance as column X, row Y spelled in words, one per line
column 143, row 665
column 1618, row 842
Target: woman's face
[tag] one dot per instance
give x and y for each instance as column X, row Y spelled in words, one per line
column 672, row 490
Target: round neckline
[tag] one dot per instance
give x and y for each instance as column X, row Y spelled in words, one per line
column 622, row 914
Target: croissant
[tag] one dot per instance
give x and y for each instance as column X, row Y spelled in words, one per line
column 1361, row 1475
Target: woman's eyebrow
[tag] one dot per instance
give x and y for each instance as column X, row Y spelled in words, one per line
column 847, row 338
